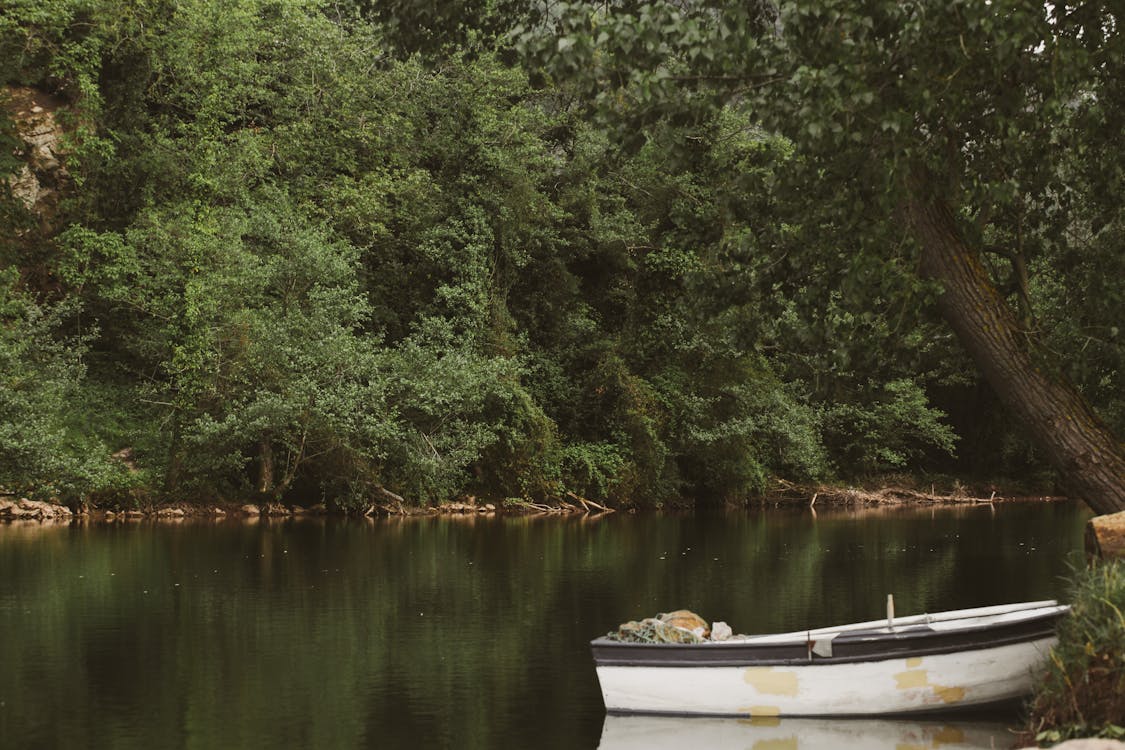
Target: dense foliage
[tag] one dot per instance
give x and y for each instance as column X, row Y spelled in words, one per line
column 313, row 250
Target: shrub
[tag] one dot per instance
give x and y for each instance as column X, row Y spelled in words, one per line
column 1083, row 693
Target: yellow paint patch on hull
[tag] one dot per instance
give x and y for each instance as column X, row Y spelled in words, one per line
column 920, row 678
column 914, row 678
column 789, row 743
column 914, row 662
column 771, row 681
column 949, row 694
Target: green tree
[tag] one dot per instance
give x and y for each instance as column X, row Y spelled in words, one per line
column 45, row 449
column 951, row 125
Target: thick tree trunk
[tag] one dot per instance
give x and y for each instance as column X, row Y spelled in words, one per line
column 1090, row 460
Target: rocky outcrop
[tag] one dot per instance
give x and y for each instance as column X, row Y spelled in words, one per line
column 33, row 510
column 1105, row 536
column 42, row 179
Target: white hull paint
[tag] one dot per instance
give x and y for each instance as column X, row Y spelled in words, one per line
column 941, row 682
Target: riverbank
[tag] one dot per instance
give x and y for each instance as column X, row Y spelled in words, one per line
column 893, row 491
column 26, row 509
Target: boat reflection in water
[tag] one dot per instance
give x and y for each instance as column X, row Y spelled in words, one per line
column 771, row 733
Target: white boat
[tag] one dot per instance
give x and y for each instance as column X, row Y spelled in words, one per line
column 943, row 662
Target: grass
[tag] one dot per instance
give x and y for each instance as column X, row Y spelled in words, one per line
column 1083, row 692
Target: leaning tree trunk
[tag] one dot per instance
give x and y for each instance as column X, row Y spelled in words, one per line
column 1089, row 458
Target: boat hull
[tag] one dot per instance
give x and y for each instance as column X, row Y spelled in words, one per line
column 944, row 662
column 946, row 682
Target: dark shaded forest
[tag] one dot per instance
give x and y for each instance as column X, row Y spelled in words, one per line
column 639, row 252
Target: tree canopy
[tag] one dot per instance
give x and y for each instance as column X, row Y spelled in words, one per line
column 633, row 251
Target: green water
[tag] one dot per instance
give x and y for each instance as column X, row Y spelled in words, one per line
column 442, row 632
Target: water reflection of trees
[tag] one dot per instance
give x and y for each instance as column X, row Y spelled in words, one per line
column 468, row 632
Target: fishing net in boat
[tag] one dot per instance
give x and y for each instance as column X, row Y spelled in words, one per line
column 680, row 626
column 652, row 630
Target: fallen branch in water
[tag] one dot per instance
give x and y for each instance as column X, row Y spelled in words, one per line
column 384, row 492
column 789, row 493
column 588, row 503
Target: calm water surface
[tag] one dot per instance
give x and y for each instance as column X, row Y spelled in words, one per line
column 465, row 633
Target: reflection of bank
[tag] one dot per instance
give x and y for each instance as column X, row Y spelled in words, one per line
column 771, row 733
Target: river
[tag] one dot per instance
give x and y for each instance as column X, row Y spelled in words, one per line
column 457, row 632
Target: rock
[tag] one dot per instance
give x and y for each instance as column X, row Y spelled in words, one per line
column 42, row 179
column 275, row 509
column 218, row 512
column 25, row 187
column 251, row 510
column 33, row 509
column 491, row 508
column 1105, row 536
column 170, row 512
column 134, row 514
column 319, row 509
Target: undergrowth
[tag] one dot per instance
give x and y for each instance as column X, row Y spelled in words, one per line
column 1083, row 692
